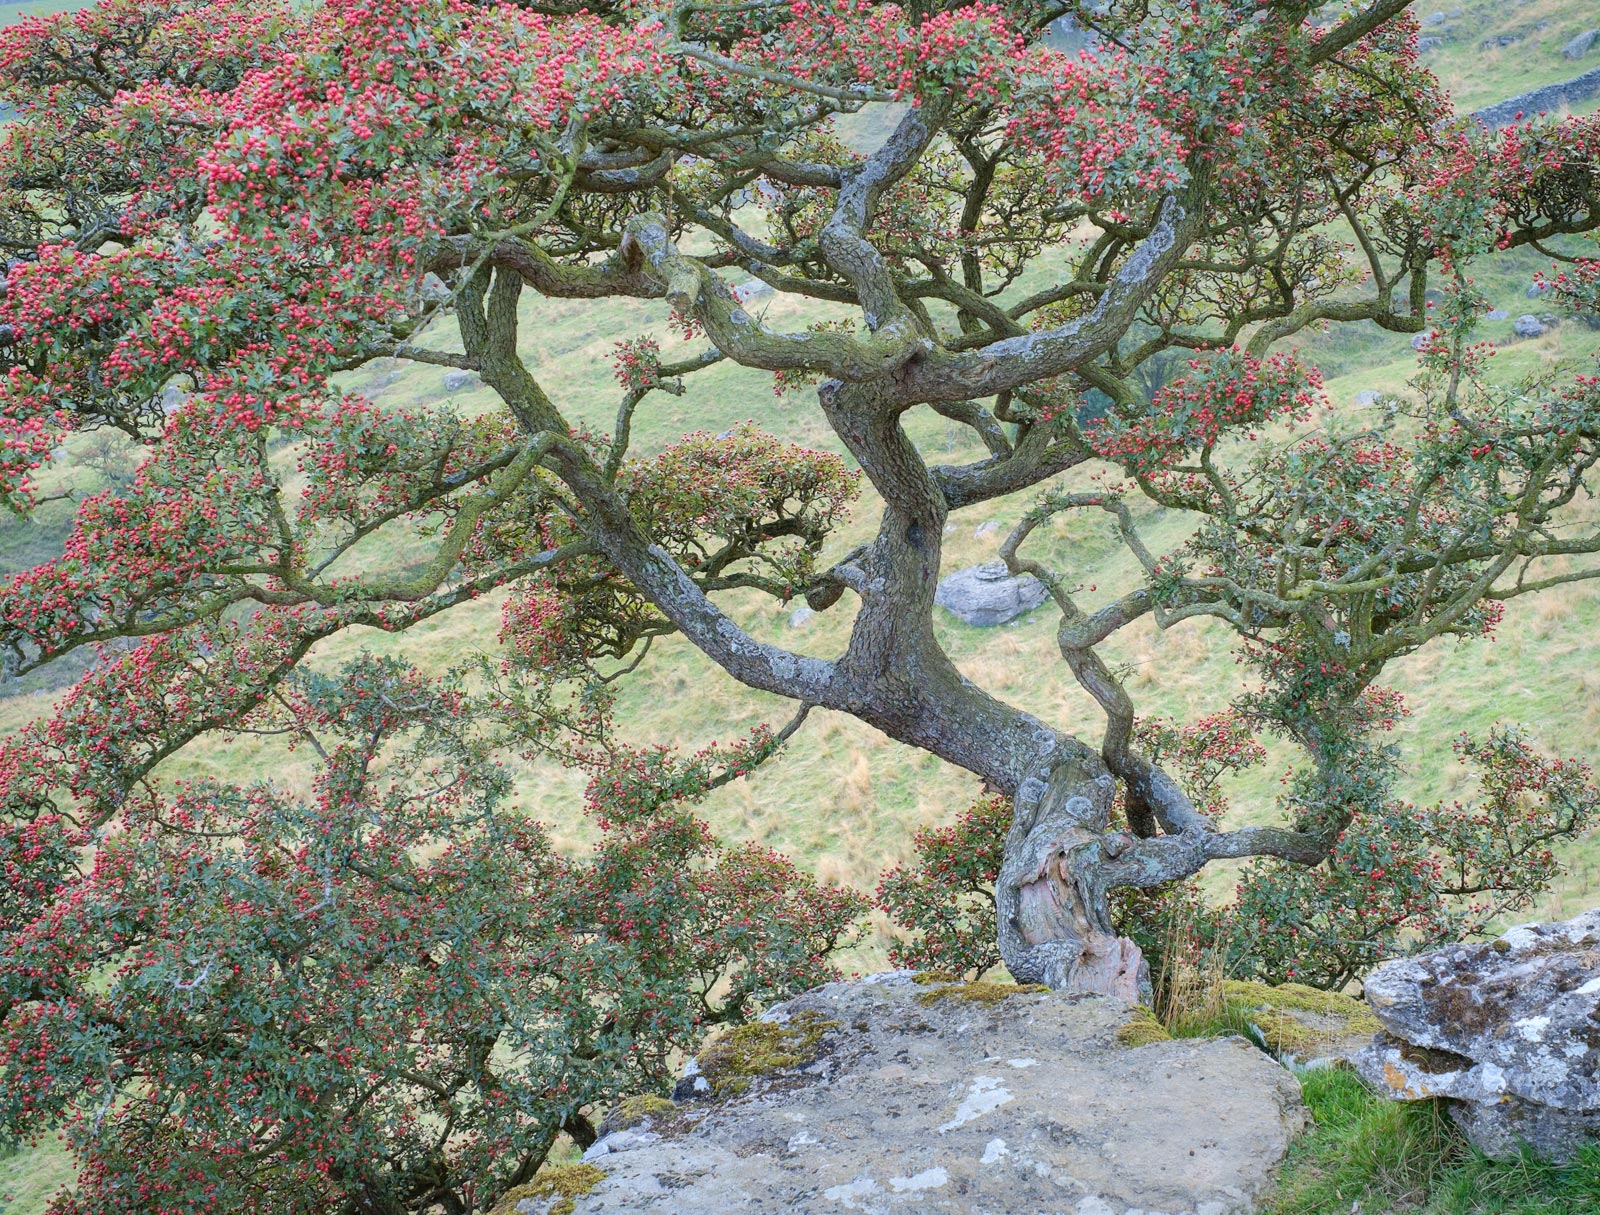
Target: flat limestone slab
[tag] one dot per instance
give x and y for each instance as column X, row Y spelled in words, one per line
column 920, row 1100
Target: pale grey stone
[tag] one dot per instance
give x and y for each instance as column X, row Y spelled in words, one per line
column 987, row 594
column 800, row 617
column 1509, row 1031
column 1581, row 45
column 901, row 1113
column 457, row 379
column 1527, row 325
column 1497, row 314
column 987, row 527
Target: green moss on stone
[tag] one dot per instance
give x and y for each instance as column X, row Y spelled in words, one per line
column 568, row 1182
column 1271, row 1010
column 761, row 1048
column 1142, row 1028
column 929, row 977
column 634, row 1110
column 981, row 992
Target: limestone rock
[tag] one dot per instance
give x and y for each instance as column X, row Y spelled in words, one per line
column 987, row 594
column 1527, row 325
column 455, row 381
column 1497, row 314
column 1581, row 45
column 800, row 617
column 1421, row 340
column 982, row 1099
column 1509, row 1030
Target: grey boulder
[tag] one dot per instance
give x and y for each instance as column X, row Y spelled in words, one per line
column 455, row 381
column 988, row 594
column 1581, row 45
column 1527, row 325
column 1509, row 1031
column 934, row 1100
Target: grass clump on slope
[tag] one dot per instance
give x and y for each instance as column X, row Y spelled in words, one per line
column 1370, row 1155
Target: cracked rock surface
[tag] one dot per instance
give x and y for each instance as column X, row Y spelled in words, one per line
column 1508, row 1030
column 923, row 1099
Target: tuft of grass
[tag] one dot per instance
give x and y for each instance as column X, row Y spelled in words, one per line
column 1373, row 1156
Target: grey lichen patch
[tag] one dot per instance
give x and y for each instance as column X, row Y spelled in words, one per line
column 1142, row 1028
column 762, row 1048
column 565, row 1182
column 634, row 1110
column 981, row 992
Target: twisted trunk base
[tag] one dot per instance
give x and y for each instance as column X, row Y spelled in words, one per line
column 1054, row 913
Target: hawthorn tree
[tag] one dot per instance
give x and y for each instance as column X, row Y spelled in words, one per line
column 213, row 209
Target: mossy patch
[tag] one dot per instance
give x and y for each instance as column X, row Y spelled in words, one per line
column 1325, row 1015
column 981, row 992
column 927, row 978
column 634, row 1110
column 1142, row 1028
column 568, row 1182
column 761, row 1048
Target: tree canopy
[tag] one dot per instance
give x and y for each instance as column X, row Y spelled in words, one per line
column 214, row 209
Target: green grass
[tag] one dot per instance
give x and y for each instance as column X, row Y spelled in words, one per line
column 16, row 10
column 30, row 1176
column 1476, row 76
column 1368, row 1155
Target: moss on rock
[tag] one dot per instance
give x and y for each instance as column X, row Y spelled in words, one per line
column 1298, row 1020
column 730, row 1062
column 981, row 992
column 634, row 1110
column 1142, row 1028
column 566, row 1182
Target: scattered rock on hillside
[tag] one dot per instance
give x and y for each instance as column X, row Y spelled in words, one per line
column 1368, row 396
column 888, row 1095
column 988, row 594
column 455, row 381
column 800, row 617
column 1432, row 20
column 1581, row 45
column 1527, row 325
column 1497, row 314
column 1508, row 1030
column 986, row 528
column 1422, row 339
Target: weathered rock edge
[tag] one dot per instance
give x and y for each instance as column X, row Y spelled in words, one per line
column 927, row 1099
column 1508, row 1031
